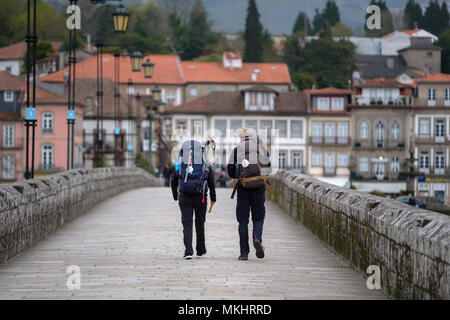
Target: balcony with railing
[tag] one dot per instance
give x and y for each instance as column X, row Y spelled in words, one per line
column 428, row 139
column 361, row 100
column 330, row 140
column 379, row 143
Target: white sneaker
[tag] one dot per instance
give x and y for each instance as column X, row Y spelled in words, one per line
column 187, row 257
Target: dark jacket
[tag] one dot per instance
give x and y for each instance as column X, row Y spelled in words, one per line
column 211, row 185
column 234, row 166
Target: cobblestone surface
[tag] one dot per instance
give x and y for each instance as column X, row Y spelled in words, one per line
column 130, row 247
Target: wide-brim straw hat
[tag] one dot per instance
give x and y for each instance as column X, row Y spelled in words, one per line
column 246, row 132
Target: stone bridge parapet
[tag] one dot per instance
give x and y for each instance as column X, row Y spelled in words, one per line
column 410, row 245
column 33, row 209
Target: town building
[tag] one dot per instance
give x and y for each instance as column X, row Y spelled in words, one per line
column 381, row 119
column 329, row 134
column 220, row 115
column 232, row 74
column 50, row 135
column 420, row 57
column 431, row 133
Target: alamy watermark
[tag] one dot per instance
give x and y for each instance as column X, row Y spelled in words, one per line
column 374, row 20
column 74, row 278
column 74, row 19
column 374, row 279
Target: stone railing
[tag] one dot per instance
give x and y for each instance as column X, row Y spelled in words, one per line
column 410, row 245
column 33, row 209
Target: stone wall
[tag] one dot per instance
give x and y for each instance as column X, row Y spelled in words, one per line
column 31, row 210
column 410, row 245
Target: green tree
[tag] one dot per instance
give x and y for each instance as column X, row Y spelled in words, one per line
column 413, row 15
column 253, row 35
column 318, row 21
column 341, row 30
column 198, row 32
column 444, row 16
column 387, row 24
column 433, row 18
column 292, row 52
column 304, row 80
column 9, row 10
column 444, row 43
column 331, row 13
column 330, row 62
column 301, row 23
column 43, row 49
column 269, row 52
column 47, row 27
column 178, row 32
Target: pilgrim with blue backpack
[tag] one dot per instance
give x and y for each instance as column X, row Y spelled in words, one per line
column 190, row 184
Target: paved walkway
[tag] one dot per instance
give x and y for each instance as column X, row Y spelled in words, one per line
column 130, row 247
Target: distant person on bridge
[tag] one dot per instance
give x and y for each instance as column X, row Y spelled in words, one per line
column 167, row 172
column 190, row 185
column 250, row 164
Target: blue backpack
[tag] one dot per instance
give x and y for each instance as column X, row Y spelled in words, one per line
column 193, row 171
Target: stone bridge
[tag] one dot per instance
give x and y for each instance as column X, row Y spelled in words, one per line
column 123, row 231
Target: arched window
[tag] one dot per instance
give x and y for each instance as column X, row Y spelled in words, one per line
column 47, row 157
column 379, row 134
column 47, row 122
column 395, row 130
column 364, row 130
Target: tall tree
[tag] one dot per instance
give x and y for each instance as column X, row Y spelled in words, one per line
column 432, row 18
column 292, row 52
column 178, row 32
column 331, row 13
column 318, row 20
column 253, row 35
column 330, row 62
column 387, row 24
column 413, row 16
column 301, row 23
column 444, row 16
column 444, row 43
column 198, row 32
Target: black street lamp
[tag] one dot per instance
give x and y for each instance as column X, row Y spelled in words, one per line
column 130, row 118
column 148, row 68
column 136, row 61
column 72, row 60
column 120, row 19
column 30, row 118
column 156, row 94
column 117, row 135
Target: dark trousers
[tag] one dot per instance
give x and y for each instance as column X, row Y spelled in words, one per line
column 246, row 200
column 188, row 205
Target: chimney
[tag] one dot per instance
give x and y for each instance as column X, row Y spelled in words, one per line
column 390, row 63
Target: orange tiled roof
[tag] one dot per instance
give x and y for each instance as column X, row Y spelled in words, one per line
column 18, row 50
column 169, row 70
column 14, row 51
column 329, row 90
column 434, row 77
column 408, row 32
column 381, row 83
column 9, row 82
column 216, row 72
column 166, row 70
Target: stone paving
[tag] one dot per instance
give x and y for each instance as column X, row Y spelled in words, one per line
column 130, row 247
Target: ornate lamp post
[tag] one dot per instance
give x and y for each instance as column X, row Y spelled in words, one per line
column 120, row 19
column 30, row 118
column 136, row 61
column 148, row 68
